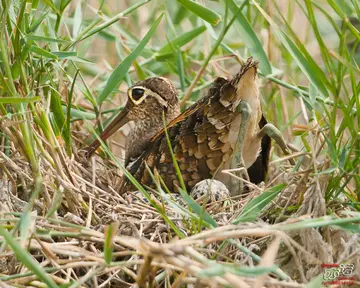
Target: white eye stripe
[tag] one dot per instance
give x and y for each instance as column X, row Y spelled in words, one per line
column 159, row 98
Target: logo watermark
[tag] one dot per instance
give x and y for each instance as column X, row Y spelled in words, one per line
column 338, row 274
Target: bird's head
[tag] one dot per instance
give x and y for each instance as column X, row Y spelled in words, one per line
column 147, row 101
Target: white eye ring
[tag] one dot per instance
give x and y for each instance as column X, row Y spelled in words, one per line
column 142, row 97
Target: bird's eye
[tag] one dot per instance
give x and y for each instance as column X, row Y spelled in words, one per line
column 137, row 93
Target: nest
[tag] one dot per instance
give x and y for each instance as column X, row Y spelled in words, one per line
column 78, row 228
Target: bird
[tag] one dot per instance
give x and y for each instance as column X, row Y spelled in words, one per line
column 225, row 129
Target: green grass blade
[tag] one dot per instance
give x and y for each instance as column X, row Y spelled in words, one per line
column 184, row 211
column 344, row 17
column 326, row 80
column 64, row 4
column 56, row 203
column 205, row 13
column 75, row 113
column 71, row 56
column 254, row 256
column 37, row 21
column 37, row 38
column 181, row 40
column 78, row 19
column 328, row 17
column 323, row 48
column 59, row 115
column 6, row 67
column 27, row 218
column 120, row 71
column 67, row 131
column 176, row 165
column 42, row 52
column 199, row 210
column 52, row 6
column 18, row 100
column 319, row 222
column 26, row 259
column 250, row 40
column 34, row 4
column 219, row 270
column 110, row 232
column 109, row 22
column 256, row 205
column 312, row 72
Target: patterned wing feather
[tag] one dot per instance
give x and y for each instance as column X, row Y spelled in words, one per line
column 194, row 136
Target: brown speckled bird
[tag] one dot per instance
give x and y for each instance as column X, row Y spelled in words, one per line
column 224, row 130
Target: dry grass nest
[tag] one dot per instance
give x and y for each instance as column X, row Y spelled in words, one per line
column 79, row 220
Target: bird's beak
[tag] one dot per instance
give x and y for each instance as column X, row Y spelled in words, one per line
column 119, row 121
